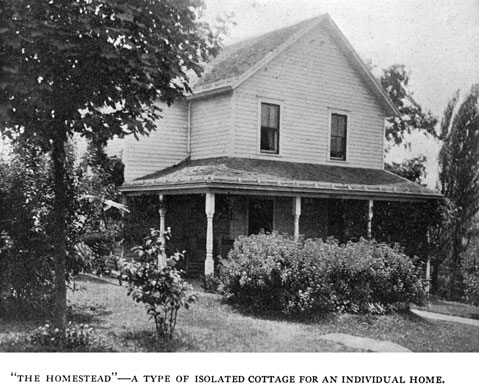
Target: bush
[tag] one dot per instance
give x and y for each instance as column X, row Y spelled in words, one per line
column 162, row 289
column 77, row 338
column 210, row 283
column 254, row 270
column 273, row 271
column 470, row 274
column 28, row 232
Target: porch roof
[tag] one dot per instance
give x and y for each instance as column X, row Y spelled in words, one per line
column 261, row 176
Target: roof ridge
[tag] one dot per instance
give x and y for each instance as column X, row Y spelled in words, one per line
column 263, row 35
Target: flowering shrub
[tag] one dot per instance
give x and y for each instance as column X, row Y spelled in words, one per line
column 274, row 271
column 254, row 271
column 77, row 337
column 161, row 289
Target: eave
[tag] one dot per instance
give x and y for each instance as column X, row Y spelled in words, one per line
column 305, row 189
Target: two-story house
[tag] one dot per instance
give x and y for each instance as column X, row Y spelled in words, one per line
column 282, row 132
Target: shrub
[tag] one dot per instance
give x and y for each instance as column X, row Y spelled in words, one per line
column 161, row 289
column 470, row 274
column 253, row 273
column 210, row 283
column 77, row 338
column 274, row 271
column 28, row 232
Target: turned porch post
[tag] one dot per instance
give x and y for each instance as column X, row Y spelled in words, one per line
column 210, row 211
column 428, row 262
column 370, row 218
column 124, row 202
column 296, row 215
column 162, row 254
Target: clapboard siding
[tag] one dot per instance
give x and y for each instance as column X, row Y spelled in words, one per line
column 308, row 79
column 165, row 146
column 211, row 126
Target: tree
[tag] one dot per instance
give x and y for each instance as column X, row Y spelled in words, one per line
column 395, row 81
column 459, row 176
column 96, row 68
column 26, row 202
column 413, row 169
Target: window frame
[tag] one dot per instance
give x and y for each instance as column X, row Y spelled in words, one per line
column 273, row 102
column 346, row 114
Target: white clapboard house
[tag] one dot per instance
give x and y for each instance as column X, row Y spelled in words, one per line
column 282, row 132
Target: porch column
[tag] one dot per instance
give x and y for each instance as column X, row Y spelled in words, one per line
column 296, row 215
column 370, row 218
column 162, row 254
column 210, row 211
column 124, row 202
column 428, row 263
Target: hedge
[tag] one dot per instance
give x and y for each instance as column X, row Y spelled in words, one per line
column 275, row 272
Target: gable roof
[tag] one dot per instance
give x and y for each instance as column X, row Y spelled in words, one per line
column 244, row 174
column 238, row 62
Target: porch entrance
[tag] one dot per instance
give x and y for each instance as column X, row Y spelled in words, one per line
column 260, row 215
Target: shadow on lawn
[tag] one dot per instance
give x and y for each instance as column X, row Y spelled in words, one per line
column 322, row 318
column 90, row 278
column 86, row 314
column 148, row 341
column 266, row 313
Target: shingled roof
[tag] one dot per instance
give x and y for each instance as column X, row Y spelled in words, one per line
column 280, row 176
column 235, row 60
column 238, row 62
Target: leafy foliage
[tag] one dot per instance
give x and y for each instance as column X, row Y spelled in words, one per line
column 210, row 283
column 99, row 177
column 413, row 169
column 113, row 59
column 459, row 176
column 76, row 338
column 395, row 81
column 96, row 68
column 27, row 232
column 161, row 289
column 470, row 274
column 271, row 271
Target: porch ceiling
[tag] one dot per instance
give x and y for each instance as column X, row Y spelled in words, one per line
column 258, row 176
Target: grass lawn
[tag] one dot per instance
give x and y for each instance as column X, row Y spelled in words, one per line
column 211, row 325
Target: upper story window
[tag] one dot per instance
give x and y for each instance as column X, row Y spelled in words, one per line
column 339, row 130
column 269, row 128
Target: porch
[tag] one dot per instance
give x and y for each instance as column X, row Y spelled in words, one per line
column 209, row 203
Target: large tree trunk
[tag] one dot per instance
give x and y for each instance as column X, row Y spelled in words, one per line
column 59, row 211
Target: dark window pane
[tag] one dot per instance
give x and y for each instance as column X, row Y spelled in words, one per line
column 269, row 127
column 269, row 139
column 334, row 125
column 338, row 136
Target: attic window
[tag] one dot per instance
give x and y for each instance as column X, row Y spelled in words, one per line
column 269, row 128
column 339, row 125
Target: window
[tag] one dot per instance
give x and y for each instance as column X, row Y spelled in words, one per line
column 339, row 124
column 269, row 128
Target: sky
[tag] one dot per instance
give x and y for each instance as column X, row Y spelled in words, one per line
column 437, row 40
